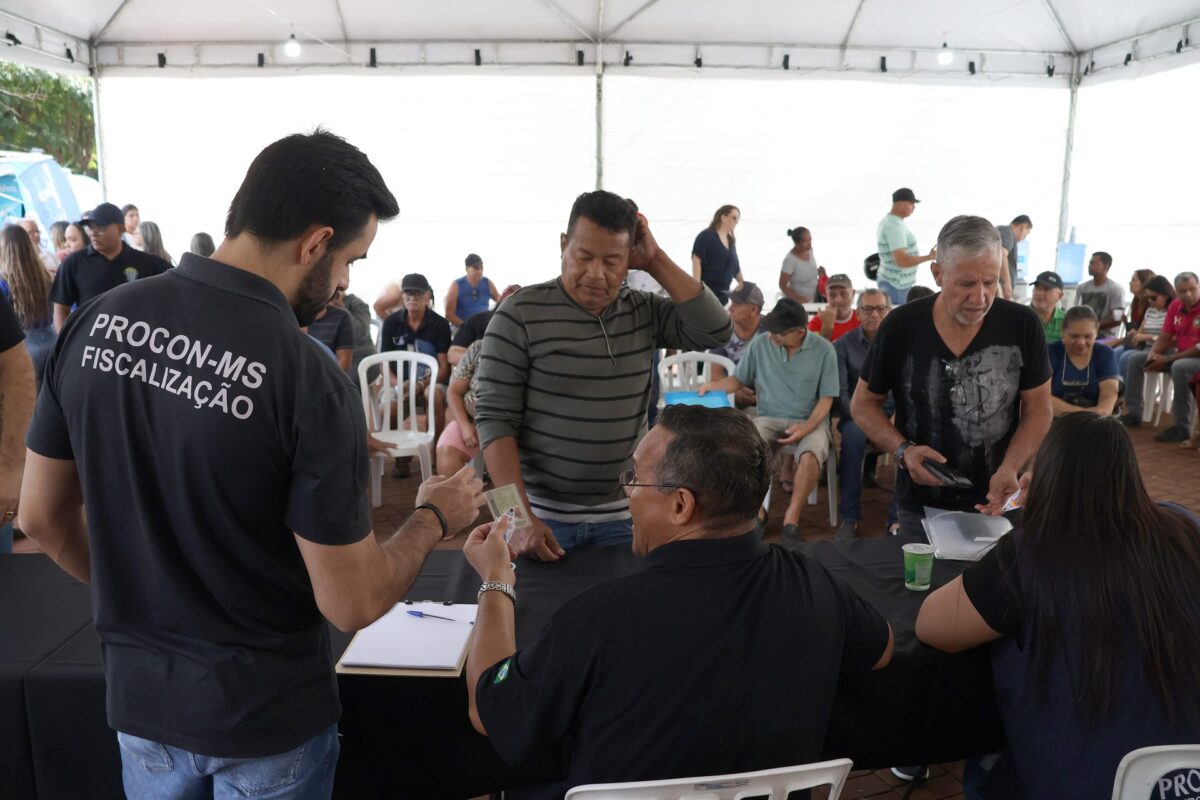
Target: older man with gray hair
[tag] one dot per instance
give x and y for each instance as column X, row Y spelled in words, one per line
column 970, row 378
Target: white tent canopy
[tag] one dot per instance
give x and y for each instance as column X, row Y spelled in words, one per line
column 996, row 38
column 570, row 91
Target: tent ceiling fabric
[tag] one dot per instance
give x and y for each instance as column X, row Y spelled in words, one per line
column 1002, row 36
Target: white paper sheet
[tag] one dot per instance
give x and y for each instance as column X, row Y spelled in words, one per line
column 398, row 640
column 960, row 535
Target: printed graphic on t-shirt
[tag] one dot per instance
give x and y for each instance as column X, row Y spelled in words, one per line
column 1096, row 301
column 982, row 388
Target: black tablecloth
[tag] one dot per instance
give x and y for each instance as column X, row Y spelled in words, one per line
column 410, row 737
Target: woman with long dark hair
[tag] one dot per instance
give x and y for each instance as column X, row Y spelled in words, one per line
column 1093, row 608
column 714, row 253
column 26, row 284
column 1137, row 284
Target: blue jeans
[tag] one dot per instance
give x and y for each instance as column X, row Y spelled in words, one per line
column 578, row 535
column 897, row 296
column 850, row 470
column 156, row 771
column 5, row 538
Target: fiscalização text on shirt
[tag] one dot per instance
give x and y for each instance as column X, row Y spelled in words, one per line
column 229, row 370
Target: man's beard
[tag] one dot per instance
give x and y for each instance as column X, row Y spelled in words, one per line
column 314, row 292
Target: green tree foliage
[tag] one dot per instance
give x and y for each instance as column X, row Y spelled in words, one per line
column 49, row 112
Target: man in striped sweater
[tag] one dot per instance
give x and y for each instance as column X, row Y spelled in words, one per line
column 565, row 375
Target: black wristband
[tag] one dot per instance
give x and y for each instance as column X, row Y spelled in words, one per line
column 437, row 512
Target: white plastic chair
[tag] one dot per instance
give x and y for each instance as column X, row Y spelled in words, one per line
column 1139, row 772
column 831, row 481
column 1156, row 396
column 376, row 332
column 685, row 372
column 775, row 784
column 386, row 419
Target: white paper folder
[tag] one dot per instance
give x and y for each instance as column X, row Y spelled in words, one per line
column 401, row 644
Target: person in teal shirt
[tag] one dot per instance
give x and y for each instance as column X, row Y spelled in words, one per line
column 795, row 377
column 898, row 253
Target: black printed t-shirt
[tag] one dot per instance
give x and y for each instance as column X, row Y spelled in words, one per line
column 660, row 674
column 206, row 428
column 966, row 408
column 1057, row 754
column 86, row 274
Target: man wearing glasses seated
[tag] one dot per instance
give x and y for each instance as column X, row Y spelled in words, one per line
column 970, row 378
column 660, row 674
column 852, row 348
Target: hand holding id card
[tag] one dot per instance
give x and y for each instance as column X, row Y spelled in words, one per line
column 503, row 498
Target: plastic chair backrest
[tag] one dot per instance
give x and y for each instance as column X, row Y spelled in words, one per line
column 376, row 328
column 1146, row 774
column 775, row 784
column 690, row 370
column 378, row 408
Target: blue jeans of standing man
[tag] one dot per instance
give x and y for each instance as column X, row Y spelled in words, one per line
column 5, row 538
column 153, row 771
column 850, row 469
column 578, row 535
column 896, row 295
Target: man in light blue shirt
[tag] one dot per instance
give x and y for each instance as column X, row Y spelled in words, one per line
column 795, row 377
column 898, row 253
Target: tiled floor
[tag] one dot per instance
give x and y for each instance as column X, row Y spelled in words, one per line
column 1171, row 473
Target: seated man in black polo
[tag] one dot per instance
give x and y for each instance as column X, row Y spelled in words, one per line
column 418, row 328
column 104, row 264
column 659, row 674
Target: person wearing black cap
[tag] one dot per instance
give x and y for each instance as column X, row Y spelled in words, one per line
column 106, row 263
column 203, row 464
column 898, row 253
column 471, row 294
column 418, row 328
column 795, row 379
column 1047, row 291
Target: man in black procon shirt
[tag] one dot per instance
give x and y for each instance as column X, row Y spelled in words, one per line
column 221, row 457
column 107, row 262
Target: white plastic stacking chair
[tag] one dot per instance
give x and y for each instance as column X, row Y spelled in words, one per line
column 685, row 372
column 376, row 332
column 1166, row 396
column 831, row 481
column 774, row 784
column 385, row 411
column 1139, row 772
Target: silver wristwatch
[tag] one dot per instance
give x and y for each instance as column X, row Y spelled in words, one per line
column 496, row 586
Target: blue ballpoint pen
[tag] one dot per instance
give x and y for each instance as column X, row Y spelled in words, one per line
column 423, row 614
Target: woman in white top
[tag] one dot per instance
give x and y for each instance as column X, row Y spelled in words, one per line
column 799, row 274
column 1157, row 294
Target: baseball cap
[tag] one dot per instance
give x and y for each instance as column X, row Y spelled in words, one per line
column 785, row 316
column 905, row 195
column 841, row 279
column 415, row 282
column 1050, row 280
column 749, row 293
column 104, row 214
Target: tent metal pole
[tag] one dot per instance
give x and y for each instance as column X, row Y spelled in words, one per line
column 98, row 128
column 1066, row 184
column 599, row 126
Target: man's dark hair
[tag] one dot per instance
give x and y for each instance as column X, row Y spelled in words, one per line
column 1022, row 219
column 309, row 179
column 1104, row 257
column 473, row 260
column 125, row 209
column 917, row 292
column 717, row 454
column 609, row 211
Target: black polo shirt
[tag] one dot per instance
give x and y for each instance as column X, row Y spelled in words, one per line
column 669, row 672
column 432, row 336
column 206, row 428
column 86, row 274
